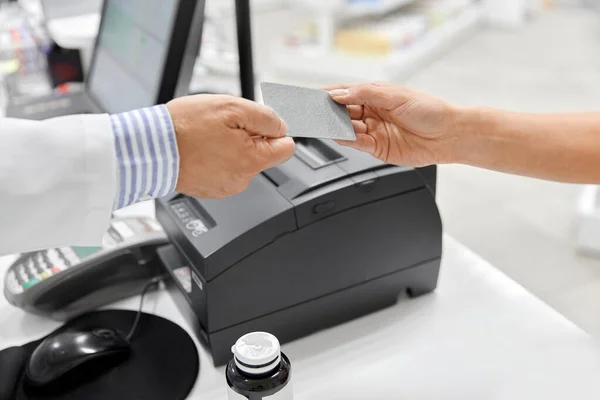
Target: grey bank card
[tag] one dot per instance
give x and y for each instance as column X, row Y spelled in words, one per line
column 309, row 113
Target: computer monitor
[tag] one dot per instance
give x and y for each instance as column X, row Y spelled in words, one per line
column 144, row 53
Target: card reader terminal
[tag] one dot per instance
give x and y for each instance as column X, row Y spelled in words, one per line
column 68, row 281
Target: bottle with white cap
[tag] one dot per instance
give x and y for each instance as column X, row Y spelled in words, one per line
column 259, row 370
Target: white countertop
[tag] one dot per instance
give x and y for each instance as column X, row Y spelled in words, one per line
column 479, row 336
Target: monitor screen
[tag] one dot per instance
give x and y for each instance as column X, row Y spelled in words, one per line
column 131, row 52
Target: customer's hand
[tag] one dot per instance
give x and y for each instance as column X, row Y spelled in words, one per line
column 224, row 142
column 398, row 125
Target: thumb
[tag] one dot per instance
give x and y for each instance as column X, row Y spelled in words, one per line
column 277, row 150
column 373, row 95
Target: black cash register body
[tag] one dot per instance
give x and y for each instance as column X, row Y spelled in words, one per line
column 331, row 235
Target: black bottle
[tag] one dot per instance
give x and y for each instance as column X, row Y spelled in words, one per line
column 259, row 370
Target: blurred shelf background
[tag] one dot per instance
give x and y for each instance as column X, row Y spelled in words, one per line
column 390, row 54
column 341, row 9
column 312, row 42
column 315, row 42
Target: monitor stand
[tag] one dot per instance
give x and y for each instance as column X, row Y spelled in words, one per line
column 244, row 39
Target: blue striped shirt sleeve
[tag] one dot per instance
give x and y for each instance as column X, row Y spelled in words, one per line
column 147, row 155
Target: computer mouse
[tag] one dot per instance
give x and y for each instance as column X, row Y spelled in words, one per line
column 65, row 351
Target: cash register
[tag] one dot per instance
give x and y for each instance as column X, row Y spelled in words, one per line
column 331, row 235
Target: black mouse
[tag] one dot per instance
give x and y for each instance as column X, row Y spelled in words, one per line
column 65, row 351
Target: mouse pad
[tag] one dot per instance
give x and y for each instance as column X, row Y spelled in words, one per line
column 309, row 113
column 163, row 364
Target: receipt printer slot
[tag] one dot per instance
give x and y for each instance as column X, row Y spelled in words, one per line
column 316, row 154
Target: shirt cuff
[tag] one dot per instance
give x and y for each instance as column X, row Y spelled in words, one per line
column 147, row 155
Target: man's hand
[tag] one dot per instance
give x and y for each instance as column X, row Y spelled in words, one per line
column 224, row 142
column 397, row 125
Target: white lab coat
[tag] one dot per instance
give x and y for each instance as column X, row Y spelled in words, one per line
column 57, row 182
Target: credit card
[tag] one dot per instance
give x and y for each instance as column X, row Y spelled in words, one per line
column 309, row 113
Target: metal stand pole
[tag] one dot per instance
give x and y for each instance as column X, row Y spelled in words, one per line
column 244, row 36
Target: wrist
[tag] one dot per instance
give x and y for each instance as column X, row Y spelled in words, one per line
column 472, row 130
